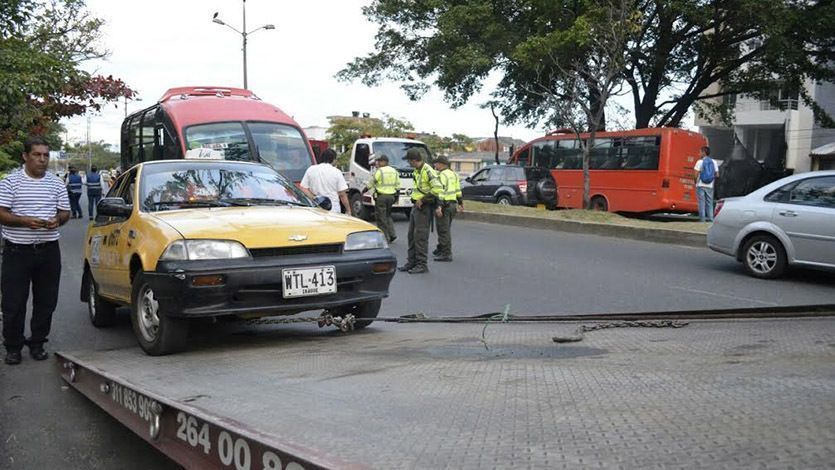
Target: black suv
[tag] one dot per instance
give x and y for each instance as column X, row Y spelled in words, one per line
column 511, row 184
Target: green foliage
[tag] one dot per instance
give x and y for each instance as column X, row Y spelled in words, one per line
column 343, row 131
column 103, row 155
column 42, row 46
column 680, row 50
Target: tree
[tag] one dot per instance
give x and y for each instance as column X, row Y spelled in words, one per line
column 576, row 91
column 683, row 48
column 344, row 131
column 42, row 47
column 103, row 155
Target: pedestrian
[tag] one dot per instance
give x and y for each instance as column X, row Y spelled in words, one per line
column 74, row 183
column 707, row 170
column 106, row 181
column 424, row 196
column 326, row 180
column 384, row 185
column 33, row 204
column 450, row 203
column 93, row 191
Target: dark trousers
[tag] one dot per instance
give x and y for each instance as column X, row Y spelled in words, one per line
column 382, row 212
column 38, row 266
column 444, row 224
column 75, row 204
column 419, row 221
column 92, row 200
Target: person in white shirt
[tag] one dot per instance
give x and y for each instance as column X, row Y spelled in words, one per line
column 326, row 180
column 704, row 183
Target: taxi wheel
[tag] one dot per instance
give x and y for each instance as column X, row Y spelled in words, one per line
column 157, row 333
column 102, row 312
column 364, row 310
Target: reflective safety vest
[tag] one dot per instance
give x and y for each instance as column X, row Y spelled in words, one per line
column 74, row 183
column 450, row 185
column 93, row 183
column 426, row 183
column 386, row 180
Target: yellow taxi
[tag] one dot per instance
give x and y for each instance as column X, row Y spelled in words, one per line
column 183, row 239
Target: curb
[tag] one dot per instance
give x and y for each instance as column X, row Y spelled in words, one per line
column 673, row 237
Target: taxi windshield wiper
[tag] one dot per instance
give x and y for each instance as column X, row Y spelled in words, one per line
column 195, row 203
column 260, row 201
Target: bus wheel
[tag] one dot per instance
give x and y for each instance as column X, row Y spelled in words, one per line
column 598, row 203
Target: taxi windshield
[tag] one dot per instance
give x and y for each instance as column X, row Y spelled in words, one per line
column 167, row 186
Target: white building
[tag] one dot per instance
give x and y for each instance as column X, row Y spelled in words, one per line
column 780, row 132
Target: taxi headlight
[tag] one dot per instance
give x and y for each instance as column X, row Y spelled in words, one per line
column 365, row 241
column 182, row 250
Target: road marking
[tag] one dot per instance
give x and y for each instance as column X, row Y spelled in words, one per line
column 722, row 295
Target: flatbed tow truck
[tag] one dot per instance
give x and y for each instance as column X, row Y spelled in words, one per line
column 733, row 388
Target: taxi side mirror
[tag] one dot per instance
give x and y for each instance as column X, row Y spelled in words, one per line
column 323, row 202
column 114, row 207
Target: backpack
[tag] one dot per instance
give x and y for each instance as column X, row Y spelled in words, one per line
column 708, row 173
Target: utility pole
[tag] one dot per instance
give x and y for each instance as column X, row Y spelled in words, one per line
column 89, row 146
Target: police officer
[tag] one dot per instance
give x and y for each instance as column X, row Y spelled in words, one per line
column 424, row 196
column 74, row 183
column 450, row 203
column 93, row 190
column 384, row 184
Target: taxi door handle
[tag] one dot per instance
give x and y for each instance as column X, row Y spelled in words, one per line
column 788, row 213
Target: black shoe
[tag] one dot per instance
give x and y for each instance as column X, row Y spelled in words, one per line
column 419, row 270
column 443, row 259
column 405, row 267
column 392, row 239
column 38, row 353
column 13, row 358
column 437, row 252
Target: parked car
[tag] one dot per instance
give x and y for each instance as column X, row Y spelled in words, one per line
column 512, row 185
column 788, row 222
column 181, row 239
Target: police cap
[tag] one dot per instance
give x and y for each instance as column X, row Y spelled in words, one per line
column 414, row 155
column 442, row 159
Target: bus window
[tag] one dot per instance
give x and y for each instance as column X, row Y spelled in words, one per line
column 545, row 154
column 605, row 155
column 282, row 147
column 570, row 154
column 228, row 139
column 134, row 129
column 522, row 158
column 641, row 153
column 147, row 140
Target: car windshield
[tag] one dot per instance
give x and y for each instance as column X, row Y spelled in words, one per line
column 396, row 151
column 168, row 186
column 278, row 145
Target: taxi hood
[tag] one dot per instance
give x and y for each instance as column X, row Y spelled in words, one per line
column 264, row 227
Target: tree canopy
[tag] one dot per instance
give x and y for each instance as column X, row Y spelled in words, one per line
column 344, row 130
column 682, row 49
column 42, row 47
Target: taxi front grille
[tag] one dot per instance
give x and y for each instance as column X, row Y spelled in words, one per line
column 296, row 250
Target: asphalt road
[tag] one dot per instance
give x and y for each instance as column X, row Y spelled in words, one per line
column 43, row 424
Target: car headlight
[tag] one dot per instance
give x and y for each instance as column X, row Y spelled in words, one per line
column 365, row 241
column 182, row 250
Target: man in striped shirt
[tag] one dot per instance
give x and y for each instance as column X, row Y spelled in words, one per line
column 33, row 204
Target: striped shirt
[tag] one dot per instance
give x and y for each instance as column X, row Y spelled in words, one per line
column 29, row 197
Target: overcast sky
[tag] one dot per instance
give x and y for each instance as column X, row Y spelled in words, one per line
column 157, row 44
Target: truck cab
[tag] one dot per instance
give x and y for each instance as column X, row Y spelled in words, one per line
column 361, row 169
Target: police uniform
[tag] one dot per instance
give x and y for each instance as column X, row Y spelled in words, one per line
column 427, row 189
column 450, row 197
column 385, row 183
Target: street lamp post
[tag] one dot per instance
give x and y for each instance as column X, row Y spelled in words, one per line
column 244, row 33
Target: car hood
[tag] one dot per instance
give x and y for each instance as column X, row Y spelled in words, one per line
column 264, row 227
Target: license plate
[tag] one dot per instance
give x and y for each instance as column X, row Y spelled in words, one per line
column 308, row 281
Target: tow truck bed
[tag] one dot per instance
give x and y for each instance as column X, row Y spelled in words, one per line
column 714, row 394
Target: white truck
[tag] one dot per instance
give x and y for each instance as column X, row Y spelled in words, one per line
column 361, row 170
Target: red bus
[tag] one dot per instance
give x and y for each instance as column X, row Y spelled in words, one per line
column 216, row 122
column 642, row 170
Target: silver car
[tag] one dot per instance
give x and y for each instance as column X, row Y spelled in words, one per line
column 788, row 222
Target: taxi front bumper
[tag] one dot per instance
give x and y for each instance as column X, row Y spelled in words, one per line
column 254, row 286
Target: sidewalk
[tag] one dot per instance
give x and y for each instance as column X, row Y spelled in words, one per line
column 589, row 222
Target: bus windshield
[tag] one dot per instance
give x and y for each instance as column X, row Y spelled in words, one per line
column 278, row 145
column 396, row 151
